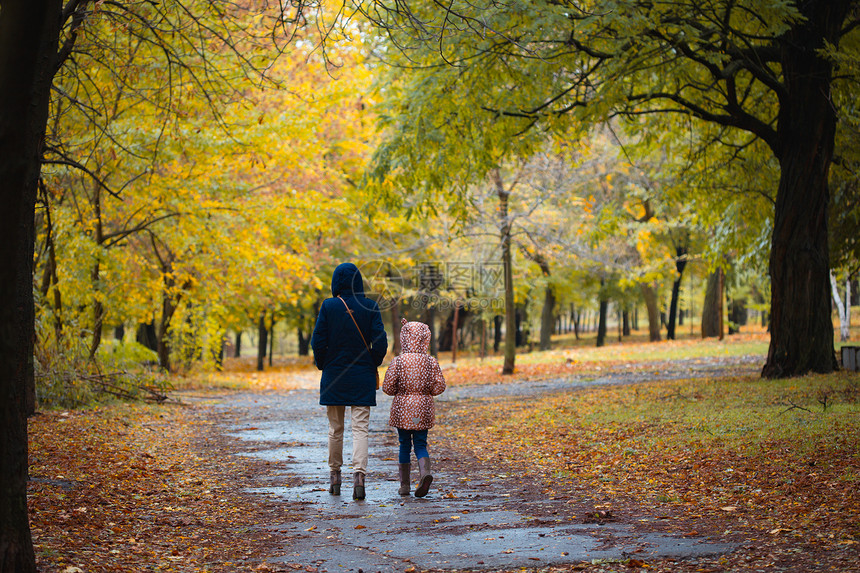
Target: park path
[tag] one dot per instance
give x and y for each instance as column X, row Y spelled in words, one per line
column 480, row 520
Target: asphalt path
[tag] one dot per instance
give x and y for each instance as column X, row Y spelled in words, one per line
column 469, row 520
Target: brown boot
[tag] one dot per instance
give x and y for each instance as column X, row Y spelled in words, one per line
column 425, row 478
column 358, row 486
column 403, row 470
column 334, row 488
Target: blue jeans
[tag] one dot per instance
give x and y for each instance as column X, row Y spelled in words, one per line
column 410, row 438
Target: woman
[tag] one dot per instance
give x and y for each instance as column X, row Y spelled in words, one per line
column 349, row 343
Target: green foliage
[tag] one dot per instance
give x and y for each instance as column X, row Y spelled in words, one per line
column 125, row 355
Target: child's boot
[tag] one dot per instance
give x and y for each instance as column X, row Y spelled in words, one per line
column 425, row 478
column 404, row 470
column 334, row 488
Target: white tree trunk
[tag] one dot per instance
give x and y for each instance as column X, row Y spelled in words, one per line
column 843, row 310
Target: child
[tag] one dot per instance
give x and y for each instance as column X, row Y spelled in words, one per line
column 413, row 378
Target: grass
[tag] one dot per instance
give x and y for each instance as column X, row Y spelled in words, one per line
column 636, row 348
column 768, row 450
column 728, row 411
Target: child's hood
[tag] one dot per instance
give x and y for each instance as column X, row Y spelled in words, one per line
column 414, row 337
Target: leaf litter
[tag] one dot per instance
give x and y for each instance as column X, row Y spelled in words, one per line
column 141, row 487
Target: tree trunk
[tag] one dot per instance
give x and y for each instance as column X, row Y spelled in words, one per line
column 95, row 276
column 146, row 335
column 238, row 351
column 168, row 307
column 28, row 43
column 430, row 319
column 625, row 322
column 801, row 325
column 98, row 314
column 395, row 326
column 711, row 307
column 519, row 339
column 507, row 261
column 601, row 324
column 844, row 310
column 262, row 342
column 546, row 318
column 680, row 263
column 497, row 332
column 304, row 342
column 49, row 276
column 483, row 338
column 454, row 326
column 272, row 342
column 649, row 293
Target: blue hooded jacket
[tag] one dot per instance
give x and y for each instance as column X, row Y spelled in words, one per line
column 348, row 370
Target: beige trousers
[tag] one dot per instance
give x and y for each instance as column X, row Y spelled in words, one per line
column 360, row 419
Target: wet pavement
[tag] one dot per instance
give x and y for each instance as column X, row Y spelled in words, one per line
column 467, row 521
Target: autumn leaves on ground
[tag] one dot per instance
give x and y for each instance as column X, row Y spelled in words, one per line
column 772, row 465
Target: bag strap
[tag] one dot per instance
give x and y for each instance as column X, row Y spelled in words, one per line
column 349, row 312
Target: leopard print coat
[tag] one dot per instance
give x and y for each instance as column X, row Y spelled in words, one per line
column 413, row 378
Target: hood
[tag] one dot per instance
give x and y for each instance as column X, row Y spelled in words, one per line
column 347, row 280
column 414, row 337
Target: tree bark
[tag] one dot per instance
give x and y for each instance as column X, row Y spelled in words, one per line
column 546, row 318
column 168, row 308
column 262, row 341
column 497, row 332
column 711, row 307
column 430, row 319
column 680, row 264
column 507, row 261
column 29, row 31
column 146, row 335
column 395, row 326
column 801, row 325
column 649, row 293
column 304, row 342
column 483, row 338
column 98, row 313
column 601, row 324
column 454, row 326
column 238, row 351
column 737, row 315
column 49, row 275
column 843, row 310
column 272, row 341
